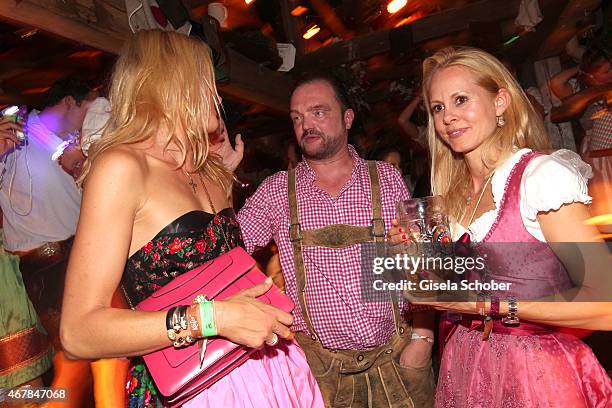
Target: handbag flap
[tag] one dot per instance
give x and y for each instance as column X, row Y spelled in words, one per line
column 207, row 279
column 218, row 347
column 218, row 279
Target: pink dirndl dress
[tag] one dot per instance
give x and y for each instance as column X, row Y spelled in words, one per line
column 529, row 365
column 276, row 376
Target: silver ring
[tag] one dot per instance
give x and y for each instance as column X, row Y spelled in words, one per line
column 274, row 340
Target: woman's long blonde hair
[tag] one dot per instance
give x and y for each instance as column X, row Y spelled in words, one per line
column 524, row 127
column 164, row 80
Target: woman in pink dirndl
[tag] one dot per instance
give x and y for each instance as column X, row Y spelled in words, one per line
column 516, row 204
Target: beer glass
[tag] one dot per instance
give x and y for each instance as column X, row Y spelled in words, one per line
column 425, row 222
column 424, row 219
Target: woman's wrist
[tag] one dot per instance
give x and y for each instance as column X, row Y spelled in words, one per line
column 201, row 319
column 195, row 322
column 178, row 326
column 208, row 324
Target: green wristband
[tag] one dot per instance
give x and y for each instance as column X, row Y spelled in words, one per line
column 207, row 317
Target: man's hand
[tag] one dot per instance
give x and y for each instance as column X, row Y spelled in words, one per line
column 8, row 136
column 220, row 144
column 416, row 354
column 72, row 160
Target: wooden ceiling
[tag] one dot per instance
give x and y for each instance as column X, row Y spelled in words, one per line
column 31, row 60
column 41, row 40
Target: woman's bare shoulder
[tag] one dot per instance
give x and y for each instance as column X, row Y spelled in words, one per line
column 122, row 157
column 118, row 172
column 120, row 162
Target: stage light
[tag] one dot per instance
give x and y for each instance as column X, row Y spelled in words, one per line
column 298, row 11
column 396, row 5
column 311, row 32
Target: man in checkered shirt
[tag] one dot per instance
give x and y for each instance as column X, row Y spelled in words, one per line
column 333, row 187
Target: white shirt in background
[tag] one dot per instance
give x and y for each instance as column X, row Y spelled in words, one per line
column 51, row 211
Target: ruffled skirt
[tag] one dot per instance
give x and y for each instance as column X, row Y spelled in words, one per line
column 275, row 377
column 548, row 371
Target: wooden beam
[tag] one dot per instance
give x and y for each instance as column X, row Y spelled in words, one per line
column 290, row 27
column 255, row 83
column 390, row 72
column 332, row 21
column 427, row 28
column 100, row 25
column 24, row 62
column 104, row 26
column 20, row 99
column 358, row 48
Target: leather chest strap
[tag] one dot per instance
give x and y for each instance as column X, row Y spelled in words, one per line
column 378, row 232
column 295, row 235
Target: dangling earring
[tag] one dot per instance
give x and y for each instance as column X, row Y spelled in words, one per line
column 501, row 122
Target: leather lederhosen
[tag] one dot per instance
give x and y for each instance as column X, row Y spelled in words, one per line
column 44, row 274
column 357, row 378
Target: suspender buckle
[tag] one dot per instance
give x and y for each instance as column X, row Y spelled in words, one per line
column 378, row 228
column 295, row 232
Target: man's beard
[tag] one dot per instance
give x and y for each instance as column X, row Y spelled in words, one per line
column 324, row 150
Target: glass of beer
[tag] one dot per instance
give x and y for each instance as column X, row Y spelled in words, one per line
column 426, row 224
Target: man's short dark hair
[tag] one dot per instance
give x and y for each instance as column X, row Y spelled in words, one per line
column 337, row 87
column 594, row 57
column 68, row 86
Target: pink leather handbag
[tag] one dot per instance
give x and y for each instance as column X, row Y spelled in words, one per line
column 180, row 374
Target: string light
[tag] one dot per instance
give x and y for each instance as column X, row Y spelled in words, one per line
column 311, row 32
column 396, row 5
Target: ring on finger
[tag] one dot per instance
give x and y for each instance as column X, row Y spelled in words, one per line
column 273, row 340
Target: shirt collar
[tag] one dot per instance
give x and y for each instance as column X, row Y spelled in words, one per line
column 304, row 172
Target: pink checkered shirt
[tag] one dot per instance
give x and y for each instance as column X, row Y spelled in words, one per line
column 333, row 294
column 601, row 134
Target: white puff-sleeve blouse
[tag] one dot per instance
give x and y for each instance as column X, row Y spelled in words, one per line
column 549, row 181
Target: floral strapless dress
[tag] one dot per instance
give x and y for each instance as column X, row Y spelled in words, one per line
column 276, row 376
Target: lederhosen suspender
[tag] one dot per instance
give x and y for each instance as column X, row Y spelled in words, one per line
column 336, row 236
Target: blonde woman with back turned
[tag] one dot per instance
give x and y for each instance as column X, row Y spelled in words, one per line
column 151, row 191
